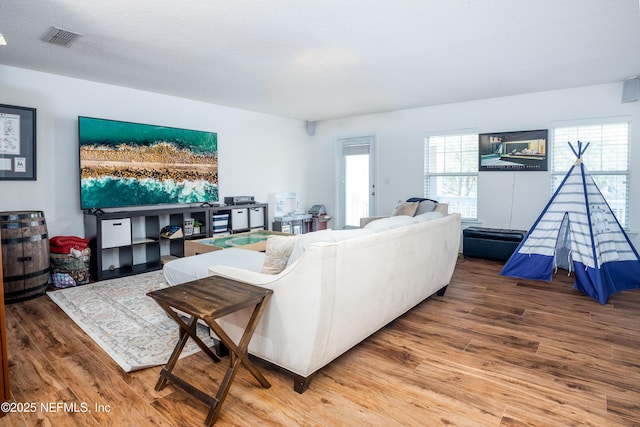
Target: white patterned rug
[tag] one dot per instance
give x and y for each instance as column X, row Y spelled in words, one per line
column 119, row 316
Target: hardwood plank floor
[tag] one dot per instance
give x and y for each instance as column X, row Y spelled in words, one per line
column 493, row 351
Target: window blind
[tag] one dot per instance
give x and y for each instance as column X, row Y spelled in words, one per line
column 606, row 158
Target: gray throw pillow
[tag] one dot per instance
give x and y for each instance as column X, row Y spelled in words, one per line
column 426, row 206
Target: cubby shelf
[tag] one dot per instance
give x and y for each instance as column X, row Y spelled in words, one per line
column 130, row 242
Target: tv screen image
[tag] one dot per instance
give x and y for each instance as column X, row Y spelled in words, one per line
column 124, row 164
column 509, row 151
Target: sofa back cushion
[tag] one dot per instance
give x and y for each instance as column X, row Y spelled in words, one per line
column 323, row 236
column 428, row 216
column 307, row 239
column 389, row 223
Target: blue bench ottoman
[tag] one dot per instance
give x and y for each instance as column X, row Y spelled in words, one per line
column 490, row 243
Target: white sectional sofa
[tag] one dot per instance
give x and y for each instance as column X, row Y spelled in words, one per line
column 339, row 286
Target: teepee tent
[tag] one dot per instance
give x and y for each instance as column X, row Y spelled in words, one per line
column 578, row 231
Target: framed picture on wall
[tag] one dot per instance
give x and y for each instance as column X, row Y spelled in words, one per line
column 17, row 143
column 513, row 151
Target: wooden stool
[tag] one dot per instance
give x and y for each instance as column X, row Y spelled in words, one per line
column 208, row 299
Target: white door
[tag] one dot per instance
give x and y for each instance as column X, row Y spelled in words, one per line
column 356, row 180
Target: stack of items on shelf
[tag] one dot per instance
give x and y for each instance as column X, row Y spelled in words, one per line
column 220, row 223
column 188, row 226
column 289, row 218
column 69, row 258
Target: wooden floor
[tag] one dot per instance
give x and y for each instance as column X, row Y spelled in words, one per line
column 493, row 351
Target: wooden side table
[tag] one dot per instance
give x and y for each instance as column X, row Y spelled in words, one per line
column 208, row 299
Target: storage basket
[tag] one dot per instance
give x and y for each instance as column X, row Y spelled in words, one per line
column 188, row 227
column 220, row 223
column 76, row 267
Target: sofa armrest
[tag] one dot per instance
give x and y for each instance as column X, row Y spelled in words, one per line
column 240, row 274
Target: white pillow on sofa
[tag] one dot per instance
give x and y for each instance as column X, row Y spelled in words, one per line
column 384, row 224
column 427, row 216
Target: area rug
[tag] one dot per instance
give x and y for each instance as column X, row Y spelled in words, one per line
column 124, row 322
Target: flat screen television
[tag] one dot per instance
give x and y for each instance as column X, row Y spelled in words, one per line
column 124, row 164
column 513, row 151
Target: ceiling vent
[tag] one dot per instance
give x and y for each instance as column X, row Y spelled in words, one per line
column 61, row 37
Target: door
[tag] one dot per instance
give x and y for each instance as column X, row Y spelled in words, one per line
column 356, row 181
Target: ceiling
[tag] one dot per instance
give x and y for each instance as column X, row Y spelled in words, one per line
column 321, row 59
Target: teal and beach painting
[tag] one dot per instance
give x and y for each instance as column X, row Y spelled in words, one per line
column 130, row 164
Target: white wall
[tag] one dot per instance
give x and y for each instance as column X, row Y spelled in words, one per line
column 260, row 155
column 505, row 199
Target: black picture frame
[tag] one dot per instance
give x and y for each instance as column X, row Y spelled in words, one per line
column 513, row 151
column 17, row 143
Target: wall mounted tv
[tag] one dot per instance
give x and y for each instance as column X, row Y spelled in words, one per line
column 513, row 151
column 125, row 164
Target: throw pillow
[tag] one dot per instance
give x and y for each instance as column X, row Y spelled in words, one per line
column 405, row 208
column 427, row 216
column 389, row 223
column 425, row 206
column 277, row 253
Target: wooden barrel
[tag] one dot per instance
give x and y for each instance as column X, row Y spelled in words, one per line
column 25, row 255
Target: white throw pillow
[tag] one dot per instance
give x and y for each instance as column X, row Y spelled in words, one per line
column 427, row 216
column 277, row 253
column 389, row 223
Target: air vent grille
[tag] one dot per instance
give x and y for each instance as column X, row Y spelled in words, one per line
column 61, row 37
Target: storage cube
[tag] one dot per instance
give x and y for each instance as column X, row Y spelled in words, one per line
column 239, row 219
column 220, row 223
column 256, row 217
column 116, row 232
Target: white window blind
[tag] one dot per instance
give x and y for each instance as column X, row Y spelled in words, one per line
column 451, row 171
column 606, row 158
column 357, row 146
column 355, row 150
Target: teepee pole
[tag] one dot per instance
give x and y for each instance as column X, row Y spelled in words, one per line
column 594, row 254
column 577, row 153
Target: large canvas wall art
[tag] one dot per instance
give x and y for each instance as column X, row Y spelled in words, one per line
column 124, row 164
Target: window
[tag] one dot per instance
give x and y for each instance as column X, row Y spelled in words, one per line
column 606, row 158
column 451, row 171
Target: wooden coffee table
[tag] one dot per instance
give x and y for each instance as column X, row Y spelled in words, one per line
column 208, row 299
column 254, row 240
